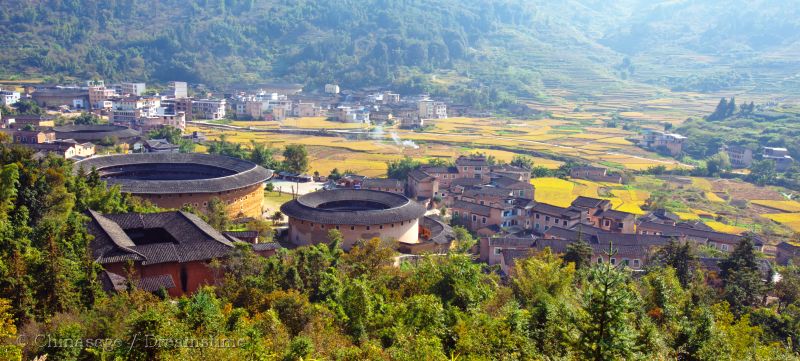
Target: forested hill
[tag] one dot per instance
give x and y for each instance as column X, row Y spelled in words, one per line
column 515, row 46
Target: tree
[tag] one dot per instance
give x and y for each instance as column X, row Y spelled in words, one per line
column 464, row 240
column 522, row 161
column 295, row 158
column 731, row 107
column 217, row 214
column 680, row 257
column 262, row 155
column 398, row 169
column 762, row 172
column 580, row 254
column 86, row 119
column 25, row 106
column 607, row 301
column 721, row 112
column 742, row 277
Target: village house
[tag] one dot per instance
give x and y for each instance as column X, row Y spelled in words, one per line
column 212, row 109
column 429, row 109
column 383, row 184
column 33, row 136
column 67, row 149
column 722, row 241
column 672, row 143
column 596, row 174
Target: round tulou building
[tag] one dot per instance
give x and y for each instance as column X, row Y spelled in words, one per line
column 360, row 215
column 175, row 180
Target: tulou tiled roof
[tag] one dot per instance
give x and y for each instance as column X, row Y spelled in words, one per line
column 154, row 238
column 96, row 133
column 224, row 173
column 390, row 207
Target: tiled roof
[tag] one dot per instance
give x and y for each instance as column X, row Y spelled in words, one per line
column 472, row 207
column 438, row 169
column 419, row 175
column 556, row 211
column 182, row 237
column 242, row 173
column 95, row 133
column 489, row 191
column 588, row 202
column 471, row 161
column 691, row 232
column 615, row 215
column 268, row 246
column 441, row 233
column 397, row 207
column 381, row 183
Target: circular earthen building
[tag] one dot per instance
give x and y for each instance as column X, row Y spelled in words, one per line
column 175, row 180
column 357, row 214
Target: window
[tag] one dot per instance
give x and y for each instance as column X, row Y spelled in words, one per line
column 352, row 228
column 636, row 263
column 474, row 218
column 547, row 218
column 614, row 261
column 606, row 222
column 537, row 215
column 536, row 226
column 381, row 226
column 724, row 247
column 565, row 222
column 483, row 220
column 337, row 227
column 625, row 261
column 368, row 228
column 599, row 259
column 497, row 251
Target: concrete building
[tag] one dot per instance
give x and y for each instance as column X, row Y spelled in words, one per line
column 211, row 109
column 332, row 89
column 429, row 109
column 130, row 89
column 672, row 143
column 301, row 109
column 22, row 120
column 66, row 148
column 8, row 97
column 741, row 157
column 780, row 156
column 347, row 114
column 178, row 89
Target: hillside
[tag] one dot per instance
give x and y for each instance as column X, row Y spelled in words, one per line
column 514, row 46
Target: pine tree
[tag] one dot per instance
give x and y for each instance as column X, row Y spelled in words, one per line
column 731, row 110
column 721, row 110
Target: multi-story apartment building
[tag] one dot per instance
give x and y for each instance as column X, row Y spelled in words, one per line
column 8, row 97
column 130, row 89
column 741, row 157
column 429, row 109
column 780, row 156
column 208, row 109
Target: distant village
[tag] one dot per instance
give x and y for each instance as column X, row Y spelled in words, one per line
column 130, row 106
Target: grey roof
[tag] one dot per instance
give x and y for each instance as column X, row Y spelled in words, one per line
column 489, row 191
column 381, row 183
column 419, row 175
column 88, row 133
column 556, row 211
column 466, row 181
column 441, row 233
column 438, row 169
column 588, row 202
column 241, row 173
column 472, row 207
column 616, row 215
column 266, row 246
column 115, row 282
column 185, row 238
column 397, row 207
column 692, row 232
column 471, row 161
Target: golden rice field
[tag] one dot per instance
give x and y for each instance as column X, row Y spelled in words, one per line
column 687, row 216
column 791, row 220
column 725, row 228
column 560, row 192
column 711, row 196
column 786, row 206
